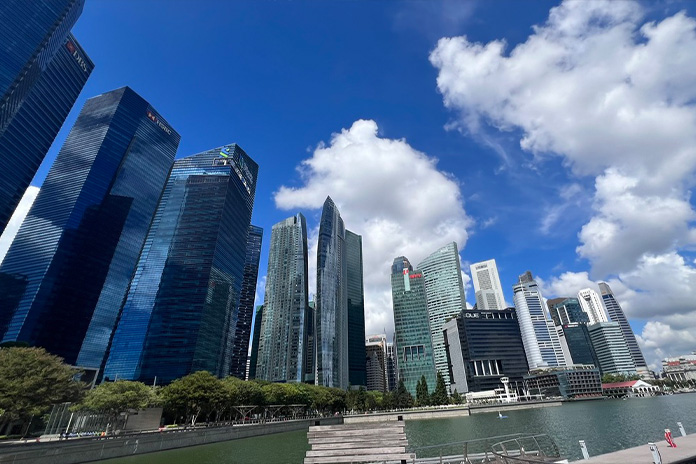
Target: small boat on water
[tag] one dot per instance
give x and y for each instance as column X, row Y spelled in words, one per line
column 500, row 416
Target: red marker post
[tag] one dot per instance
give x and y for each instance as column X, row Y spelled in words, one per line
column 669, row 439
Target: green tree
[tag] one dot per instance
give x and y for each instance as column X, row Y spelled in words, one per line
column 615, row 378
column 439, row 396
column 422, row 395
column 193, row 395
column 114, row 398
column 31, row 381
column 456, row 398
column 402, row 398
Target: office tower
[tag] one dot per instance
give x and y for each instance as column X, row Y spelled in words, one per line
column 69, row 266
column 182, row 307
column 414, row 349
column 489, row 292
column 42, row 72
column 482, row 347
column 255, row 342
column 566, row 311
column 242, row 332
column 332, row 300
column 356, row 310
column 616, row 314
column 376, row 368
column 575, row 338
column 592, row 304
column 445, row 296
column 392, row 367
column 539, row 336
column 612, row 352
column 311, row 346
column 283, row 339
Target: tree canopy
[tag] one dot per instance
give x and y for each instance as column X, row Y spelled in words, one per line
column 439, row 396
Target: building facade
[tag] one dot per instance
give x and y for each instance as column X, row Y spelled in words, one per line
column 489, row 292
column 70, row 265
column 376, row 362
column 253, row 357
column 182, row 307
column 356, row 310
column 681, row 368
column 570, row 382
column 283, row 338
column 576, row 339
column 242, row 332
column 392, row 367
column 566, row 311
column 331, row 315
column 541, row 343
column 414, row 349
column 611, row 349
column 592, row 305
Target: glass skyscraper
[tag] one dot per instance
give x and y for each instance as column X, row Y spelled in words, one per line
column 258, row 320
column 487, row 288
column 357, row 375
column 577, row 339
column 70, row 264
column 283, row 338
column 414, row 348
column 182, row 307
column 42, row 71
column 331, row 300
column 610, row 346
column 445, row 297
column 541, row 343
column 566, row 310
column 242, row 333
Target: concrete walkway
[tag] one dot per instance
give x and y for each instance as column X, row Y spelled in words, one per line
column 684, row 453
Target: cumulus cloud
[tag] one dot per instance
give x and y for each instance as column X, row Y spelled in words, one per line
column 614, row 97
column 388, row 192
column 16, row 220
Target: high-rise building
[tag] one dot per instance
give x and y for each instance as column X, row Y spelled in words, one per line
column 487, row 288
column 311, row 347
column 283, row 340
column 392, row 367
column 482, row 347
column 376, row 368
column 331, row 318
column 611, row 348
column 575, row 338
column 445, row 296
column 541, row 344
column 42, row 72
column 616, row 314
column 356, row 310
column 182, row 307
column 70, row 264
column 255, row 342
column 566, row 311
column 242, row 332
column 592, row 305
column 414, row 349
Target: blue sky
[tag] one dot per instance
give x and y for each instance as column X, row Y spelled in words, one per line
column 368, row 84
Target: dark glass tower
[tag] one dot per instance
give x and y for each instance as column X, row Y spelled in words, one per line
column 242, row 333
column 283, row 339
column 182, row 307
column 42, row 71
column 69, row 266
column 616, row 314
column 331, row 300
column 258, row 320
column 566, row 310
column 357, row 358
column 577, row 338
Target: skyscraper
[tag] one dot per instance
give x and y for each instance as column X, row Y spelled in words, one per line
column 255, row 342
column 72, row 260
column 332, row 300
column 182, row 307
column 42, row 72
column 489, row 292
column 616, row 314
column 612, row 352
column 414, row 349
column 539, row 336
column 376, row 368
column 576, row 338
column 356, row 310
column 392, row 367
column 283, row 339
column 310, row 358
column 592, row 304
column 445, row 296
column 242, row 333
column 566, row 310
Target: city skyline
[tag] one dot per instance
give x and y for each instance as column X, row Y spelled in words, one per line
column 468, row 204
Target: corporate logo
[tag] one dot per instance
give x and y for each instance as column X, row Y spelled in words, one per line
column 73, row 51
column 240, row 165
column 156, row 120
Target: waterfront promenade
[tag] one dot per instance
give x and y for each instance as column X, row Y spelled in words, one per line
column 684, row 453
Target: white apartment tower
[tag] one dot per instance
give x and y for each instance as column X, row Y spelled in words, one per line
column 489, row 292
column 592, row 304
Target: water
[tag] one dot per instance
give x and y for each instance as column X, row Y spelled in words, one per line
column 605, row 426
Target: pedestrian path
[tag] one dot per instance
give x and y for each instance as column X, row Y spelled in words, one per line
column 684, row 453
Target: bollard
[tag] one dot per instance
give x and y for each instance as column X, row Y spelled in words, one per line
column 583, row 448
column 657, row 459
column 681, row 429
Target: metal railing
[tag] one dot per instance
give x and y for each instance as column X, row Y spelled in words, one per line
column 526, row 449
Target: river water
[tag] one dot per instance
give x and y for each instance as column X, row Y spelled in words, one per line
column 605, row 426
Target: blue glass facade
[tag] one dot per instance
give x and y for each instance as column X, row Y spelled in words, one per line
column 69, row 266
column 357, row 357
column 42, row 71
column 240, row 346
column 258, row 320
column 182, row 307
column 331, row 300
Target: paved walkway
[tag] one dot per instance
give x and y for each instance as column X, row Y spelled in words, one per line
column 684, row 453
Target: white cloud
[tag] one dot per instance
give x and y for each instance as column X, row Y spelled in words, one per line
column 388, row 192
column 16, row 220
column 615, row 98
